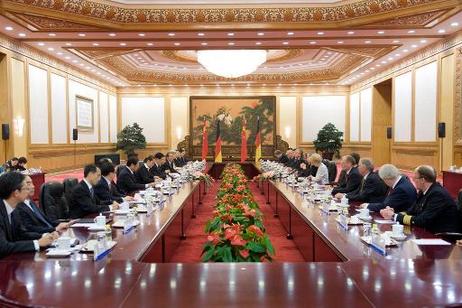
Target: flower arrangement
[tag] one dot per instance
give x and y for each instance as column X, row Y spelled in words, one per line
column 236, row 232
column 204, row 177
column 264, row 176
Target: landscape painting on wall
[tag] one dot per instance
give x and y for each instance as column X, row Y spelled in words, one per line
column 233, row 112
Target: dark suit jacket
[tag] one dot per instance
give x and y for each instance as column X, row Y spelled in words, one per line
column 126, row 182
column 181, row 161
column 372, row 189
column 435, row 211
column 106, row 194
column 352, row 182
column 10, row 240
column 169, row 166
column 143, row 175
column 22, row 214
column 158, row 171
column 283, row 159
column 400, row 198
column 82, row 203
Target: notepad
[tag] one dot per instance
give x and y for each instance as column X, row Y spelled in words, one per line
column 430, row 241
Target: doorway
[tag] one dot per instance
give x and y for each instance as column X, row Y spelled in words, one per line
column 382, row 122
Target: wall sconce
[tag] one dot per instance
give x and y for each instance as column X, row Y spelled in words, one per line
column 18, row 124
column 179, row 132
column 287, row 132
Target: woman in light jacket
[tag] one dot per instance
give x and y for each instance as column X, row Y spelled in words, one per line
column 322, row 175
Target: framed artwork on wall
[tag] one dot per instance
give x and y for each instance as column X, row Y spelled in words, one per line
column 84, row 113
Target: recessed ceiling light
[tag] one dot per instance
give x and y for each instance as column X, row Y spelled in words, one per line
column 51, row 34
column 411, row 31
column 395, row 41
column 351, row 32
column 51, row 48
column 204, row 44
column 390, row 59
column 123, row 44
column 372, row 68
column 230, row 34
column 95, row 44
column 384, row 62
column 141, row 34
column 200, row 34
column 320, row 33
column 9, row 28
column 258, row 43
column 82, row 34
column 260, row 33
column 414, row 46
column 367, row 42
column 378, row 65
column 340, row 42
column 454, row 24
column 285, row 43
column 81, row 64
column 171, row 34
column 423, row 41
column 59, row 53
column 41, row 44
column 112, row 34
column 312, row 43
column 67, row 57
column 75, row 61
column 22, row 34
column 397, row 55
column 441, row 31
column 405, row 50
column 290, row 33
column 150, row 44
column 177, row 44
column 68, row 44
column 231, row 43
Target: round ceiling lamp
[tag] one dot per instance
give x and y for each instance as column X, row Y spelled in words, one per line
column 231, row 63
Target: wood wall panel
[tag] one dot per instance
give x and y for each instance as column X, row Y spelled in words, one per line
column 409, row 157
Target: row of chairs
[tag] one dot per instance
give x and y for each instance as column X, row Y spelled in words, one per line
column 54, row 198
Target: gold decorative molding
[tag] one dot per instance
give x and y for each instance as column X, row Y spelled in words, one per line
column 351, row 57
column 112, row 15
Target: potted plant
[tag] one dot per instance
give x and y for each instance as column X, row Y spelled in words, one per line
column 329, row 141
column 131, row 138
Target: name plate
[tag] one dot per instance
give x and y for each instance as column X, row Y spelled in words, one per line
column 379, row 244
column 343, row 221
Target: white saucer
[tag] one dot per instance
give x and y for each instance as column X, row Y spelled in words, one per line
column 96, row 228
column 58, row 253
column 402, row 237
column 365, row 218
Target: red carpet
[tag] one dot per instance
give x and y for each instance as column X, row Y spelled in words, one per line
column 60, row 176
column 189, row 251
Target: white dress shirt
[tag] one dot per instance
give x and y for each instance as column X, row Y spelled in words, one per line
column 10, row 210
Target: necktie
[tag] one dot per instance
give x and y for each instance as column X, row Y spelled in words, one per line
column 362, row 184
column 40, row 216
column 390, row 190
column 92, row 193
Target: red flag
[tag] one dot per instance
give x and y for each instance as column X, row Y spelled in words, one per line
column 205, row 141
column 258, row 142
column 243, row 143
column 218, row 157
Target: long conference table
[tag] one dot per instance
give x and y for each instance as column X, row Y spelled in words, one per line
column 339, row 268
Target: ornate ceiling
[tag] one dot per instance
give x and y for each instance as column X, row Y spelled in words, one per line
column 155, row 42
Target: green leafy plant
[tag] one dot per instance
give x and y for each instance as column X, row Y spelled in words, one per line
column 329, row 141
column 131, row 138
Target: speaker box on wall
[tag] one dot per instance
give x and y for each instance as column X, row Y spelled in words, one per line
column 441, row 130
column 389, row 132
column 5, row 131
column 75, row 134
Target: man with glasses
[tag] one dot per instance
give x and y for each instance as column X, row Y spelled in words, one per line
column 32, row 217
column 434, row 208
column 13, row 239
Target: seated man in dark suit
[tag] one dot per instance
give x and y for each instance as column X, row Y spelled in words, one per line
column 13, row 239
column 143, row 174
column 157, row 170
column 126, row 180
column 169, row 165
column 83, row 200
column 352, row 176
column 106, row 190
column 280, row 157
column 32, row 217
column 181, row 160
column 401, row 193
column 434, row 209
column 372, row 188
